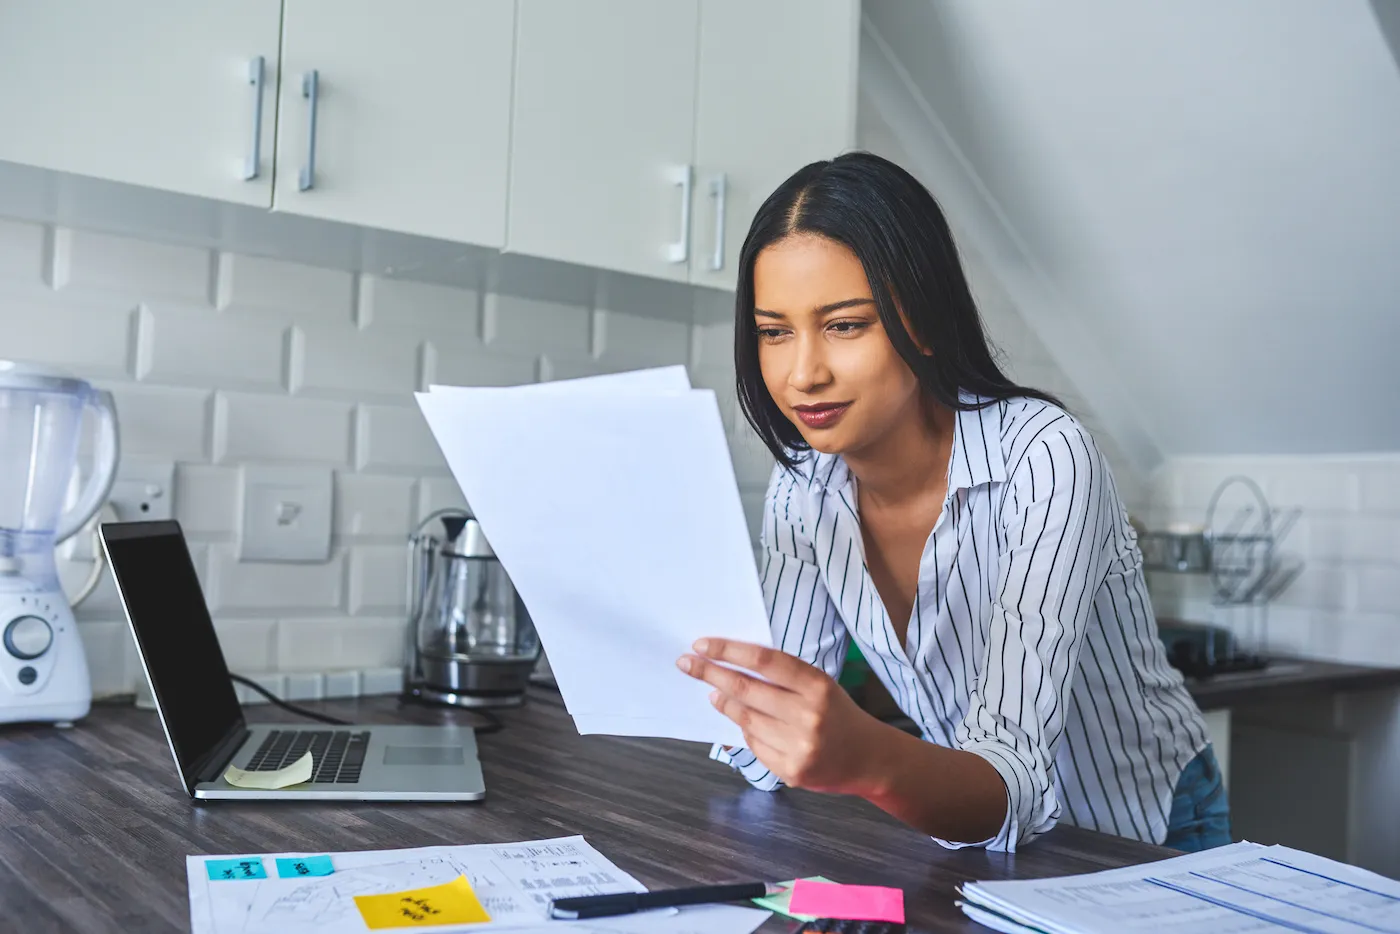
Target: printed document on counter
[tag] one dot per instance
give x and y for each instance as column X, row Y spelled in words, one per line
column 612, row 504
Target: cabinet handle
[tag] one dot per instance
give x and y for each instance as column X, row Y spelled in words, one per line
column 679, row 252
column 310, row 89
column 256, row 71
column 719, row 190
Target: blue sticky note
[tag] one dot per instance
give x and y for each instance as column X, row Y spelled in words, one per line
column 297, row 866
column 221, row 870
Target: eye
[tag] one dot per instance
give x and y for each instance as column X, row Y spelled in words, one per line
column 848, row 327
column 771, row 333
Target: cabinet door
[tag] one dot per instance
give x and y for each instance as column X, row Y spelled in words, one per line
column 603, row 133
column 150, row 92
column 412, row 115
column 777, row 90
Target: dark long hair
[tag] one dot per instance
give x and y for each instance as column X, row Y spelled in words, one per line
column 895, row 228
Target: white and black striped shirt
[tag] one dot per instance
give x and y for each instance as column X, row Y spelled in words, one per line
column 1032, row 642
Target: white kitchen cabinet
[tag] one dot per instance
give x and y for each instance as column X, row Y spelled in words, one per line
column 603, row 134
column 777, row 90
column 397, row 115
column 162, row 93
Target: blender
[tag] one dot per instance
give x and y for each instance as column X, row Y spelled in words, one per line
column 43, row 672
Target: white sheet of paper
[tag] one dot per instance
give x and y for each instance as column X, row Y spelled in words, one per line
column 618, row 519
column 655, row 379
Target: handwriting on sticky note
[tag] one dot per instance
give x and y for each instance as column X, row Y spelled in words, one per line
column 294, row 867
column 849, row 902
column 779, row 902
column 221, row 870
column 294, row 774
column 451, row 903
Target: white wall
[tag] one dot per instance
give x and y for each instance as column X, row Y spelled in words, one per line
column 1345, row 604
column 221, row 360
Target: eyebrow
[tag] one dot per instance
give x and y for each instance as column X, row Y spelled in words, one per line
column 820, row 309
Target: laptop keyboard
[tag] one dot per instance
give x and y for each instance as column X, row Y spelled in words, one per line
column 337, row 755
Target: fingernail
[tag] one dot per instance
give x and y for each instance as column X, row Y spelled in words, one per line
column 714, row 698
column 684, row 663
column 702, row 646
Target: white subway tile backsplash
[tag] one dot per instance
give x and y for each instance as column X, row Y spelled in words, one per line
column 1378, row 590
column 420, row 308
column 1313, row 486
column 1380, row 486
column 378, row 580
column 90, row 338
column 162, row 422
column 1359, row 640
column 269, row 589
column 257, row 427
column 288, row 290
column 347, row 361
column 199, row 347
column 466, row 362
column 632, row 342
column 329, row 643
column 436, row 493
column 1332, row 537
column 368, row 506
column 248, row 644
column 139, row 269
column 522, row 324
column 21, row 254
column 206, row 499
column 106, row 644
column 390, row 438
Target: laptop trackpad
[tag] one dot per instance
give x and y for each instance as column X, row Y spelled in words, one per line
column 423, row 755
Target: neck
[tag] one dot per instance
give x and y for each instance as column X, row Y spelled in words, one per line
column 904, row 463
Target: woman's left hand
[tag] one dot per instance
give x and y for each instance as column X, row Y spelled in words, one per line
column 799, row 722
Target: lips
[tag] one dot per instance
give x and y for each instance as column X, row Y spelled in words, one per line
column 821, row 415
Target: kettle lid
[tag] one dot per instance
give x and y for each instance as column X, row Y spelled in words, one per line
column 465, row 538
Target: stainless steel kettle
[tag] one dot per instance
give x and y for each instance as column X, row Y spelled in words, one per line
column 470, row 639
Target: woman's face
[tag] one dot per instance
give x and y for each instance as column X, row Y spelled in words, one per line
column 825, row 357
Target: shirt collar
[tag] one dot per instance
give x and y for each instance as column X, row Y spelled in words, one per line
column 977, row 454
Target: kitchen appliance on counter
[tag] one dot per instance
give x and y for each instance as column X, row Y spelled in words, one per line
column 43, row 672
column 470, row 639
column 1199, row 650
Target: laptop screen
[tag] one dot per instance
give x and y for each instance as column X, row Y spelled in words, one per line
column 165, row 606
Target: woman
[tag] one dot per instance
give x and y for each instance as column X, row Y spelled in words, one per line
column 963, row 530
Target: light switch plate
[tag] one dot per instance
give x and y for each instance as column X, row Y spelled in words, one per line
column 286, row 514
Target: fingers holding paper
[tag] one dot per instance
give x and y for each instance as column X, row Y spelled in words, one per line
column 798, row 721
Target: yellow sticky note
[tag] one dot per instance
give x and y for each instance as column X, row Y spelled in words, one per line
column 450, row 903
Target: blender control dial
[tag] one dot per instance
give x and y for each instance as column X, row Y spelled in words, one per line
column 28, row 637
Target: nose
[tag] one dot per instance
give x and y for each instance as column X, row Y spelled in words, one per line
column 809, row 366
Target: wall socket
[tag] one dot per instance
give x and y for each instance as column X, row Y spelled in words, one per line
column 143, row 491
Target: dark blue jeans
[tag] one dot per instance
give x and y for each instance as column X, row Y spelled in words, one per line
column 1200, row 816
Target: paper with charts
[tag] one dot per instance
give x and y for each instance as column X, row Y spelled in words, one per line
column 315, row 893
column 611, row 502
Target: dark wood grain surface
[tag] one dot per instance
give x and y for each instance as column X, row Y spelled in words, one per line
column 1289, row 679
column 94, row 827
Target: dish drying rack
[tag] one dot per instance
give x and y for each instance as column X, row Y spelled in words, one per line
column 1237, row 548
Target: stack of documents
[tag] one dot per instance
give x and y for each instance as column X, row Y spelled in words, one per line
column 1241, row 888
column 506, row 886
column 612, row 504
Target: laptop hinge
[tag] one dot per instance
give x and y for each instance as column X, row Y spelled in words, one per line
column 219, row 757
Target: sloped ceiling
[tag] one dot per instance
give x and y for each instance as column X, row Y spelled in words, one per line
column 1195, row 203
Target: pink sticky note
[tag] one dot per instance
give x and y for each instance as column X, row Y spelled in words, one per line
column 848, row 902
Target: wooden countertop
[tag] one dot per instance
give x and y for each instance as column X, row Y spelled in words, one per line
column 1288, row 679
column 96, row 826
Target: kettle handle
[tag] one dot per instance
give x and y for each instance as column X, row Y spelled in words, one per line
column 420, row 557
column 104, row 470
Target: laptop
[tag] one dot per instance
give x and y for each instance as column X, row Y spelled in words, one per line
column 203, row 720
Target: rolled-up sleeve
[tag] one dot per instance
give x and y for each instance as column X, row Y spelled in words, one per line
column 1058, row 516
column 801, row 614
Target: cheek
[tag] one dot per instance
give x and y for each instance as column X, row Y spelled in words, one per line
column 773, row 365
